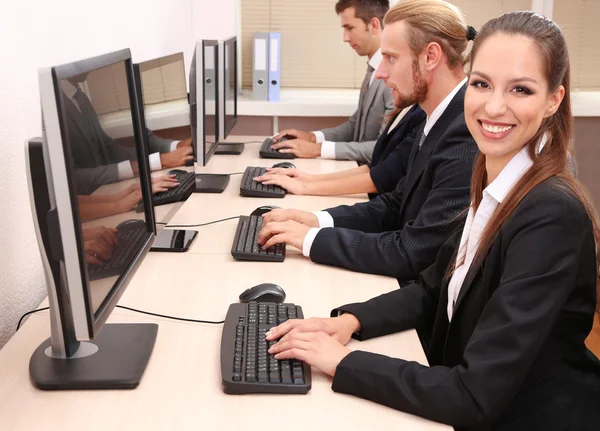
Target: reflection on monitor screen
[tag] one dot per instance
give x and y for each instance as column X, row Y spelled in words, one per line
column 105, row 171
column 84, row 185
column 158, row 82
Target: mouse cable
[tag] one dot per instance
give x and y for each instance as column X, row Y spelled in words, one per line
column 206, row 173
column 28, row 313
column 200, row 224
column 183, row 319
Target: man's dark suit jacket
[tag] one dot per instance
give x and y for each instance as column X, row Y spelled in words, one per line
column 399, row 233
column 95, row 155
column 513, row 356
column 392, row 151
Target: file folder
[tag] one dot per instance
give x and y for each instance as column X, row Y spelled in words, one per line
column 274, row 65
column 260, row 73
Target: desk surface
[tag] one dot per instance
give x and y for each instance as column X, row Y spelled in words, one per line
column 181, row 387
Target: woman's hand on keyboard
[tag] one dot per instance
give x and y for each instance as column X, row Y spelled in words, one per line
column 290, row 172
column 318, row 348
column 340, row 328
column 292, row 185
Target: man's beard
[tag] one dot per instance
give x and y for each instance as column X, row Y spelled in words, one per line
column 419, row 93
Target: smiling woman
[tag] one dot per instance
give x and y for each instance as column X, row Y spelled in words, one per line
column 510, row 299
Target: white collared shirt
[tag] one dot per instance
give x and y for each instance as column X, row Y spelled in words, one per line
column 439, row 110
column 124, row 169
column 328, row 147
column 325, row 219
column 493, row 195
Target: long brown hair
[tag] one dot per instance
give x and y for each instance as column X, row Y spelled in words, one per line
column 552, row 160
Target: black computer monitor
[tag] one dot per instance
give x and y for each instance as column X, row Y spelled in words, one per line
column 86, row 274
column 228, row 91
column 204, row 114
column 159, row 81
column 228, row 97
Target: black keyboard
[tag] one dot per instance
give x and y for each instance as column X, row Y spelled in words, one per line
column 187, row 185
column 252, row 188
column 246, row 366
column 128, row 242
column 267, row 151
column 244, row 243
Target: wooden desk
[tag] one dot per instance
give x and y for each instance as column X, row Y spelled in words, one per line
column 181, row 388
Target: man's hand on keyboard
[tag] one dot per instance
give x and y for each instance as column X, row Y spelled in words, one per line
column 299, row 148
column 177, row 158
column 289, row 232
column 185, row 143
column 280, row 215
column 299, row 134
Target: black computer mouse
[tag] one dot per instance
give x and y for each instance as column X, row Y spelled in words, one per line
column 263, row 210
column 284, row 165
column 265, row 292
column 176, row 172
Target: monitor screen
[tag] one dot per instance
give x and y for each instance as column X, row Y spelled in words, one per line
column 204, row 99
column 160, row 85
column 230, row 85
column 99, row 173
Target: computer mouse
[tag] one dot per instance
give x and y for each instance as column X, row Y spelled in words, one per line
column 263, row 210
column 176, row 171
column 265, row 292
column 284, row 165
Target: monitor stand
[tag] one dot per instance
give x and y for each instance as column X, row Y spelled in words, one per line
column 174, row 240
column 232, row 148
column 211, row 183
column 116, row 359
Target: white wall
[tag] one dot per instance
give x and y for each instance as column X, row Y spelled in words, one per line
column 37, row 33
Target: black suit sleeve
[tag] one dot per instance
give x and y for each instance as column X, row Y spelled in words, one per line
column 418, row 302
column 403, row 251
column 543, row 244
column 386, row 174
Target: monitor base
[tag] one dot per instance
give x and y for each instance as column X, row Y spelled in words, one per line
column 174, row 240
column 232, row 148
column 211, row 183
column 123, row 351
